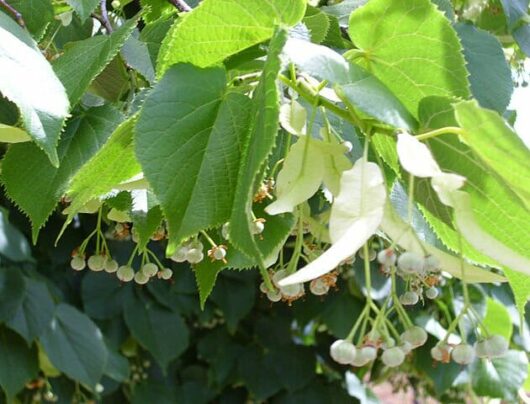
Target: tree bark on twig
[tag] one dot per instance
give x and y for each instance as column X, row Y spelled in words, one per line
column 11, row 10
column 105, row 16
column 181, row 5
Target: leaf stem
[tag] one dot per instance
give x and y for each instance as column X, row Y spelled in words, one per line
column 181, row 5
column 105, row 16
column 316, row 99
column 208, row 238
column 14, row 12
column 437, row 132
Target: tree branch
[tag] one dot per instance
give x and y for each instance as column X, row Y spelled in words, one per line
column 181, row 5
column 105, row 16
column 11, row 10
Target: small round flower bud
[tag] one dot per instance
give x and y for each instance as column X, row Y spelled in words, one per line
column 125, row 273
column 431, row 264
column 292, row 291
column 416, row 336
column 274, row 295
column 441, row 352
column 393, row 357
column 342, row 351
column 194, row 256
column 318, row 287
column 140, row 278
column 111, row 266
column 387, row 257
column 432, row 293
column 96, row 263
column 180, row 254
column 463, row 354
column 409, row 298
column 257, row 226
column 165, row 274
column 149, row 269
column 410, row 263
column 347, row 145
column 78, row 263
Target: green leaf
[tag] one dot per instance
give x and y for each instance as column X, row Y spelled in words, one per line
column 136, row 54
column 294, row 365
column 489, row 74
column 520, row 284
column 257, row 372
column 277, row 230
column 411, row 47
column 111, row 165
column 156, row 9
column 37, row 195
column 75, row 345
column 83, row 8
column 28, row 80
column 162, row 332
column 516, row 12
column 343, row 9
column 145, row 224
column 117, row 367
column 205, row 276
column 339, row 313
column 13, row 244
column 12, row 290
column 153, row 34
column 235, row 295
column 103, row 295
column 12, row 134
column 353, row 84
column 497, row 146
column 18, row 363
column 8, row 112
column 93, row 55
column 37, row 15
column 263, row 131
column 218, row 29
column 501, row 377
column 191, row 155
column 494, row 206
column 317, row 22
column 497, row 319
column 113, row 82
column 34, row 313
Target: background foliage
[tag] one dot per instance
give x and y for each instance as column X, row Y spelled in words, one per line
column 144, row 114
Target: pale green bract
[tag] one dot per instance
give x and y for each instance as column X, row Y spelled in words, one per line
column 411, row 47
column 497, row 146
column 403, row 234
column 300, row 177
column 309, row 163
column 418, row 160
column 28, row 80
column 355, row 216
column 217, row 29
column 293, row 118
